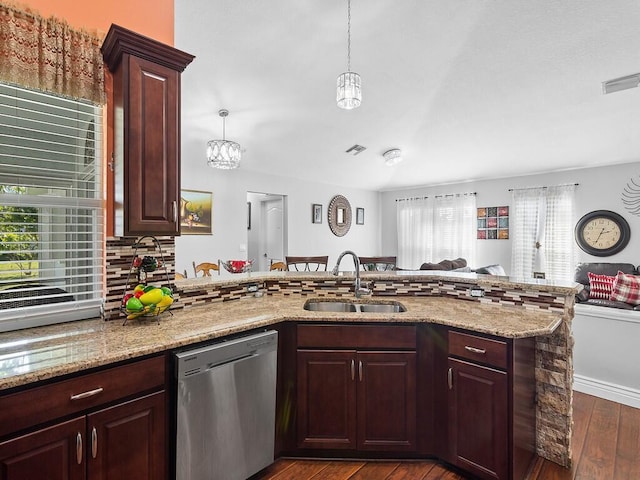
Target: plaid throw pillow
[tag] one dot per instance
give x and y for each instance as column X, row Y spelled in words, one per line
column 600, row 286
column 626, row 288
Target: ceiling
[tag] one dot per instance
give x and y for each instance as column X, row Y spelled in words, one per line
column 467, row 89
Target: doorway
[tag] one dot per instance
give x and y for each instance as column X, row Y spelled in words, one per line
column 266, row 229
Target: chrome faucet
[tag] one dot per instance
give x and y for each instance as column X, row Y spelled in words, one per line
column 357, row 288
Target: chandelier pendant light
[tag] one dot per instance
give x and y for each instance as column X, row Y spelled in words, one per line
column 223, row 154
column 348, row 91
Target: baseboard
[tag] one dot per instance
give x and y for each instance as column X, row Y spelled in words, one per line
column 606, row 390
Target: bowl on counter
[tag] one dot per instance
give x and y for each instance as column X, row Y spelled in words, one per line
column 237, row 266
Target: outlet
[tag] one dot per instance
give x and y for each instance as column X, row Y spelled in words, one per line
column 252, row 288
column 476, row 292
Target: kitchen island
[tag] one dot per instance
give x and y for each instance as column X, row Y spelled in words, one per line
column 211, row 309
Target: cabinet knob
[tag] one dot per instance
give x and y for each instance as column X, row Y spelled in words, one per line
column 79, row 448
column 94, row 442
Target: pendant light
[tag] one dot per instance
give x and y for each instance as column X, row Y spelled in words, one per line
column 348, row 92
column 223, row 154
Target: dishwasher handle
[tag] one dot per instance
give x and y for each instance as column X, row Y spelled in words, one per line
column 203, row 359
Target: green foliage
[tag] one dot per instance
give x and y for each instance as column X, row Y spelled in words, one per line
column 18, row 232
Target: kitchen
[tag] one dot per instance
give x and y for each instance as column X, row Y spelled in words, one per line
column 230, row 199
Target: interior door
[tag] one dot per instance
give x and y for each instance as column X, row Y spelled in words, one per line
column 273, row 233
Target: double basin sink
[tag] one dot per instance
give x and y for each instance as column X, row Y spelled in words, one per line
column 336, row 305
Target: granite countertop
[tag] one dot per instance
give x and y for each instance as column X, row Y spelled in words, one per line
column 45, row 352
column 550, row 286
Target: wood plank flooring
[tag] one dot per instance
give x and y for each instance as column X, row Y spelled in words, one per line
column 606, row 446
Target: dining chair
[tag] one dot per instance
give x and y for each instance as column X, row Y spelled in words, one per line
column 206, row 268
column 278, row 266
column 181, row 276
column 307, row 264
column 378, row 264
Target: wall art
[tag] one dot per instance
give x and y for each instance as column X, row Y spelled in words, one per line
column 493, row 223
column 196, row 212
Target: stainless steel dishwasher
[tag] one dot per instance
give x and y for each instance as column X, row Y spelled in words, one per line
column 226, row 407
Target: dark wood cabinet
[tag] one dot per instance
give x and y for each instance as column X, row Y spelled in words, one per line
column 146, row 126
column 478, row 419
column 356, row 397
column 326, row 399
column 107, row 439
column 128, row 440
column 54, row 453
column 490, row 405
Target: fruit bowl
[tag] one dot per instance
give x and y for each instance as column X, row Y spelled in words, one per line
column 237, row 266
column 146, row 301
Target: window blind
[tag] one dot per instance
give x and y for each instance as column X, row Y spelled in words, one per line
column 51, row 209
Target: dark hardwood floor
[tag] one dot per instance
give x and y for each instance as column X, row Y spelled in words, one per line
column 606, row 446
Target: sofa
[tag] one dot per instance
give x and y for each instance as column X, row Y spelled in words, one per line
column 606, row 269
column 460, row 265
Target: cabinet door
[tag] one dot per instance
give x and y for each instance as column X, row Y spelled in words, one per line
column 54, row 453
column 326, row 399
column 478, row 419
column 151, row 163
column 386, row 401
column 128, row 440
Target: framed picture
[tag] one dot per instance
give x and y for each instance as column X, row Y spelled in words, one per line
column 359, row 216
column 316, row 213
column 248, row 215
column 196, row 212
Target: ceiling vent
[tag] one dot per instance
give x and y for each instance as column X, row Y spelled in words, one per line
column 355, row 150
column 622, row 83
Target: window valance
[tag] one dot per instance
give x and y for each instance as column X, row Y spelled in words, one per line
column 47, row 54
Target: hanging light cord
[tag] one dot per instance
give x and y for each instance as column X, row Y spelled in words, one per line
column 348, row 35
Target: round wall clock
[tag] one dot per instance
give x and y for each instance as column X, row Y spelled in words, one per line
column 602, row 233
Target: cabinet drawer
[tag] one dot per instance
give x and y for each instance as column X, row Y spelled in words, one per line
column 42, row 404
column 478, row 348
column 357, row 336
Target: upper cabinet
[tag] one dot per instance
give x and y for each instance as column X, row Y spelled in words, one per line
column 146, row 132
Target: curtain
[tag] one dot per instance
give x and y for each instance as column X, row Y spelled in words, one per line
column 435, row 229
column 414, row 231
column 48, row 55
column 542, row 232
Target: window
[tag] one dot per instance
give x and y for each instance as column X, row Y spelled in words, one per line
column 435, row 229
column 51, row 209
column 542, row 232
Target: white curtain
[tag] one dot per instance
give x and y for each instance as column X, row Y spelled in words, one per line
column 435, row 229
column 415, row 227
column 542, row 232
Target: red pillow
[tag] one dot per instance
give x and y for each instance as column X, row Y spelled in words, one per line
column 626, row 288
column 600, row 286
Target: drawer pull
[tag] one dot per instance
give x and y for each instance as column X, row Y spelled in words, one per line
column 94, row 443
column 79, row 448
column 360, row 370
column 90, row 393
column 475, row 350
column 353, row 369
column 174, row 208
column 450, row 378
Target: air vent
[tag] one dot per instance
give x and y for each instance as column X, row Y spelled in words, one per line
column 355, row 150
column 622, row 83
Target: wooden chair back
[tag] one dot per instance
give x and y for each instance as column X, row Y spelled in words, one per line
column 181, row 276
column 206, row 268
column 278, row 266
column 377, row 264
column 307, row 264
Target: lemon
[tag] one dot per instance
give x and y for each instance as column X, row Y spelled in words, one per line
column 152, row 297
